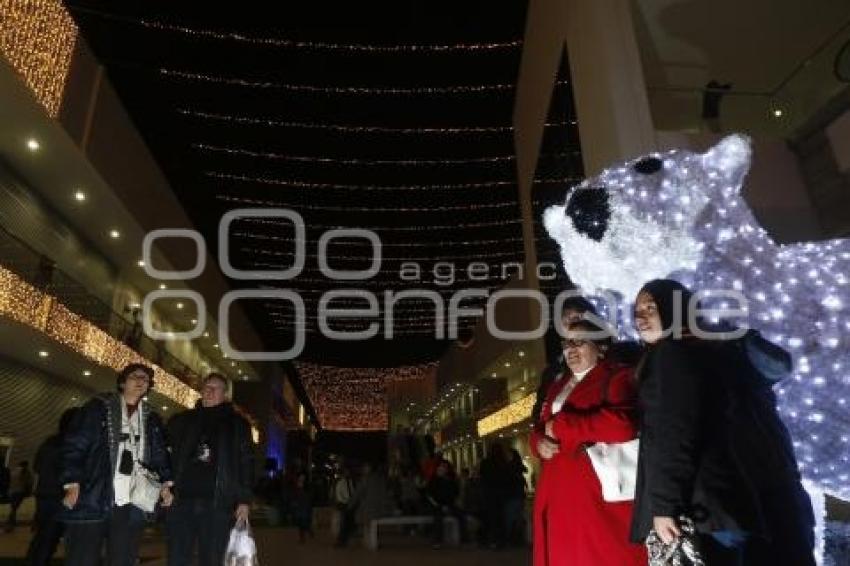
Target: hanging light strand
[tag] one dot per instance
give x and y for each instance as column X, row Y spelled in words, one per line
column 341, row 90
column 237, row 37
column 422, row 228
column 345, row 128
column 328, row 46
column 505, row 254
column 342, row 186
column 361, row 242
column 208, row 148
column 439, row 208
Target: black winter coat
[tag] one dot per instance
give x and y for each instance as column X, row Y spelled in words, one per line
column 712, row 444
column 90, row 454
column 48, row 463
column 234, row 479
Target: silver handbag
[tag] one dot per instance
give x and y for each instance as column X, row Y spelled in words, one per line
column 145, row 489
column 684, row 551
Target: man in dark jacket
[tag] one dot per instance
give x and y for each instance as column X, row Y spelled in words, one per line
column 48, row 495
column 20, row 488
column 442, row 493
column 213, row 476
column 111, row 437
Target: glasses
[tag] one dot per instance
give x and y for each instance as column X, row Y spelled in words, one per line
column 137, row 377
column 575, row 343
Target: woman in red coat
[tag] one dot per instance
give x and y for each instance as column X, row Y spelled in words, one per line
column 592, row 401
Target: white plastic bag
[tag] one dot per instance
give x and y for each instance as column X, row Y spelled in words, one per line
column 241, row 549
column 616, row 467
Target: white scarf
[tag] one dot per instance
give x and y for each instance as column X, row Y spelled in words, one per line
column 561, row 398
column 133, row 425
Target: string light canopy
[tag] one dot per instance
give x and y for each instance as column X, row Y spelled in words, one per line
column 354, row 399
column 405, row 130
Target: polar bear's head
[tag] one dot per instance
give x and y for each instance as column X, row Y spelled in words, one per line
column 647, row 218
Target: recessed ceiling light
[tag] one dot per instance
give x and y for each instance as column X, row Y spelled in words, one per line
column 493, row 374
column 164, row 407
column 194, row 321
column 206, row 334
column 777, row 113
column 86, row 372
column 43, row 353
column 33, row 145
column 521, row 354
column 215, row 345
column 114, row 234
column 163, row 286
column 179, row 305
column 140, row 263
column 80, row 196
column 233, row 364
column 507, row 364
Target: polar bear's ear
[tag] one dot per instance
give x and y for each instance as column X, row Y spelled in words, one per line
column 730, row 157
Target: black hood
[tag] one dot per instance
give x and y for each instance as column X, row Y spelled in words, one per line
column 672, row 299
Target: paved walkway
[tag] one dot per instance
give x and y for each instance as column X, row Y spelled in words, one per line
column 280, row 546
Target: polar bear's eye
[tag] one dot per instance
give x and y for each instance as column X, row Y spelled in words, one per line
column 590, row 211
column 649, row 165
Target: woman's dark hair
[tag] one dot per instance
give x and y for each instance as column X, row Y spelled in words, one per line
column 579, row 304
column 130, row 368
column 603, row 337
column 670, row 296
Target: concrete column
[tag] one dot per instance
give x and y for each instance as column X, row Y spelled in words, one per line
column 608, row 85
column 610, row 94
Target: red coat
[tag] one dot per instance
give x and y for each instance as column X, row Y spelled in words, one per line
column 573, row 525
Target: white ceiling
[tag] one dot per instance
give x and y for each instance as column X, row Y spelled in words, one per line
column 754, row 44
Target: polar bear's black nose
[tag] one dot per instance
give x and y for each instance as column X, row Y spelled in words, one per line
column 649, row 165
column 590, row 212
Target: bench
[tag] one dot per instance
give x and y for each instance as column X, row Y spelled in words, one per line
column 451, row 532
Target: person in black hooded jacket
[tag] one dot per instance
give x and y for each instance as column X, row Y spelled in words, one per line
column 212, row 454
column 48, row 495
column 712, row 445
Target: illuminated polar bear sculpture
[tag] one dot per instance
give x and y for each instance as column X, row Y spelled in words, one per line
column 680, row 214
